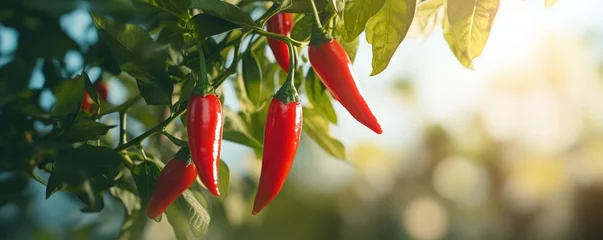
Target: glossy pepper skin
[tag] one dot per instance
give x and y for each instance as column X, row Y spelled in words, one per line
column 333, row 67
column 281, row 23
column 174, row 179
column 204, row 127
column 281, row 139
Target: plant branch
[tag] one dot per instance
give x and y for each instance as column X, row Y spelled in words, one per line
column 150, row 132
column 122, row 127
column 123, row 107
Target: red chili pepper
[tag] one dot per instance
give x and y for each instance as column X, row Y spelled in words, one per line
column 281, row 139
column 87, row 103
column 281, row 23
column 282, row 134
column 204, row 127
column 333, row 67
column 102, row 89
column 177, row 175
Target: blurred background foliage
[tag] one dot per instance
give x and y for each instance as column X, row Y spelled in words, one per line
column 512, row 150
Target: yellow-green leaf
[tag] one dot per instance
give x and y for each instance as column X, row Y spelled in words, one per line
column 356, row 14
column 386, row 30
column 449, row 37
column 429, row 15
column 470, row 24
column 549, row 3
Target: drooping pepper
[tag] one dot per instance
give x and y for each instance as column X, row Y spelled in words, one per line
column 177, row 175
column 332, row 65
column 282, row 134
column 281, row 23
column 204, row 128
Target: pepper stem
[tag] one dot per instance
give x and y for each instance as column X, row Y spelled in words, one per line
column 202, row 85
column 319, row 34
column 183, row 155
column 287, row 93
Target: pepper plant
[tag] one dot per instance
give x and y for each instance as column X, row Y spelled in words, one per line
column 173, row 58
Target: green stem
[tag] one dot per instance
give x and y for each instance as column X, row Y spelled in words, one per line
column 123, row 107
column 232, row 69
column 122, row 127
column 315, row 11
column 270, row 12
column 278, row 37
column 150, row 132
column 287, row 93
column 202, row 86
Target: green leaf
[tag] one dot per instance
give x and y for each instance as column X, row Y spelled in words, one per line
column 246, row 105
column 252, row 77
column 318, row 97
column 223, row 178
column 224, row 10
column 454, row 47
column 207, row 25
column 317, row 128
column 91, row 198
column 470, row 24
column 187, row 210
column 235, row 130
column 154, row 84
column 301, row 6
column 145, row 175
column 90, row 89
column 69, row 94
column 337, row 6
column 356, row 14
column 549, row 3
column 429, row 15
column 302, row 30
column 386, row 30
column 133, row 47
column 126, row 193
column 351, row 48
column 74, row 166
column 178, row 8
column 85, row 129
column 127, row 42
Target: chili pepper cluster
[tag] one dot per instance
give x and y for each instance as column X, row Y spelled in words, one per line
column 283, row 127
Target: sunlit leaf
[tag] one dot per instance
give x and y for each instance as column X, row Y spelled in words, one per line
column 318, row 96
column 351, row 48
column 549, row 3
column 223, row 178
column 356, row 15
column 470, row 24
column 317, row 128
column 429, row 15
column 235, row 130
column 188, row 211
column 386, row 30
